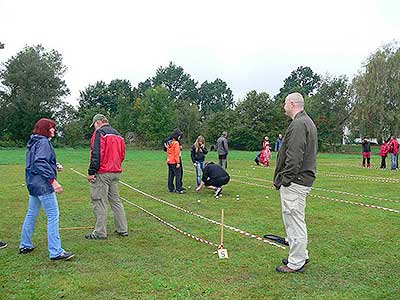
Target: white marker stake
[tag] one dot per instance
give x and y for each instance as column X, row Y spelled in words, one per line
column 222, row 253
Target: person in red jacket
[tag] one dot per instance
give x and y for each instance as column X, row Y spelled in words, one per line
column 384, row 152
column 106, row 156
column 394, row 150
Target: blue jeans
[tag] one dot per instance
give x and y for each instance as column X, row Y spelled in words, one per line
column 199, row 170
column 394, row 161
column 50, row 206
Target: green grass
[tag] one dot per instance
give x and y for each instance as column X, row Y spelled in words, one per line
column 354, row 250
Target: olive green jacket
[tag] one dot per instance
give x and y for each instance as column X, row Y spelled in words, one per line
column 297, row 157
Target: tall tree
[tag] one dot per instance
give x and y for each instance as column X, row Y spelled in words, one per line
column 258, row 115
column 330, row 108
column 214, row 97
column 97, row 96
column 174, row 79
column 156, row 116
column 302, row 80
column 377, row 94
column 35, row 77
column 188, row 120
column 115, row 100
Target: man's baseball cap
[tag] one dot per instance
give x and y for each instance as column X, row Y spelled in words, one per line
column 98, row 117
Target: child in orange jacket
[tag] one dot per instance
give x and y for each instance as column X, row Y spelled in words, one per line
column 174, row 165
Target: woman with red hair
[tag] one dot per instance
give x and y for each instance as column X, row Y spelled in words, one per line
column 41, row 181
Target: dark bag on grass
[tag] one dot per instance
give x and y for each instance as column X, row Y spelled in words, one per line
column 276, row 238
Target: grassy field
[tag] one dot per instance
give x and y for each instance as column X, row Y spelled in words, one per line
column 354, row 249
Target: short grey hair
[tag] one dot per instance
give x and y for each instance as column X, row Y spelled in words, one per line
column 296, row 98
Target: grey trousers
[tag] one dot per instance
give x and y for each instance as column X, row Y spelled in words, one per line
column 104, row 191
column 293, row 199
column 223, row 163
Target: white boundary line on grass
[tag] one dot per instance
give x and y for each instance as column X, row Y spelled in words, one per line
column 328, row 198
column 325, row 190
column 171, row 225
column 360, row 177
column 161, row 220
column 196, row 214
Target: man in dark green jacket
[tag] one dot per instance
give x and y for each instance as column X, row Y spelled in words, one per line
column 294, row 176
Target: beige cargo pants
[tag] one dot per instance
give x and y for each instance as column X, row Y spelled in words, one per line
column 104, row 191
column 293, row 199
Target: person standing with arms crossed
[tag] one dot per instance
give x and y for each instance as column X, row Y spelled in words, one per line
column 223, row 149
column 294, row 175
column 106, row 156
column 198, row 154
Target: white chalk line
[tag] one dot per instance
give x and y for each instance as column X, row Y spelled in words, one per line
column 327, row 190
column 328, row 198
column 196, row 214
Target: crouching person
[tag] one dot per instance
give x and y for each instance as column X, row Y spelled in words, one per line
column 214, row 177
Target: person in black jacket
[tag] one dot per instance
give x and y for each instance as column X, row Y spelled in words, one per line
column 214, row 177
column 366, row 152
column 198, row 155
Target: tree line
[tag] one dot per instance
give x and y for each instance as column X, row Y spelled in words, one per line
column 147, row 113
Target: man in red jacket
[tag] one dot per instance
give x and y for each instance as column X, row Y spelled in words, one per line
column 106, row 156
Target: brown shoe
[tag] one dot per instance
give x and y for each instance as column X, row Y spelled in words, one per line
column 286, row 269
column 285, row 261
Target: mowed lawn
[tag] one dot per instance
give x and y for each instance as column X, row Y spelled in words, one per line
column 354, row 249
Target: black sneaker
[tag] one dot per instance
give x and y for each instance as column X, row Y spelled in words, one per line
column 25, row 250
column 63, row 256
column 3, row 245
column 180, row 192
column 218, row 191
column 172, row 191
column 122, row 233
column 93, row 236
column 285, row 261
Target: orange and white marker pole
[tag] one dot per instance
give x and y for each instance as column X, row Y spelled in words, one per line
column 222, row 252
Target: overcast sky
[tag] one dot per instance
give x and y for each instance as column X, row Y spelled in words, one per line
column 251, row 45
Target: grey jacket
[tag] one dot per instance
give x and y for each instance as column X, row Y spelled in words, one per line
column 297, row 157
column 222, row 145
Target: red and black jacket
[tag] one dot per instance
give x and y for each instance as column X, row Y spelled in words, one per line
column 107, row 151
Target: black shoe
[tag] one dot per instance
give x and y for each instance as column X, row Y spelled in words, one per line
column 122, row 233
column 25, row 250
column 172, row 191
column 3, row 245
column 180, row 192
column 63, row 256
column 93, row 236
column 218, row 191
column 285, row 261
